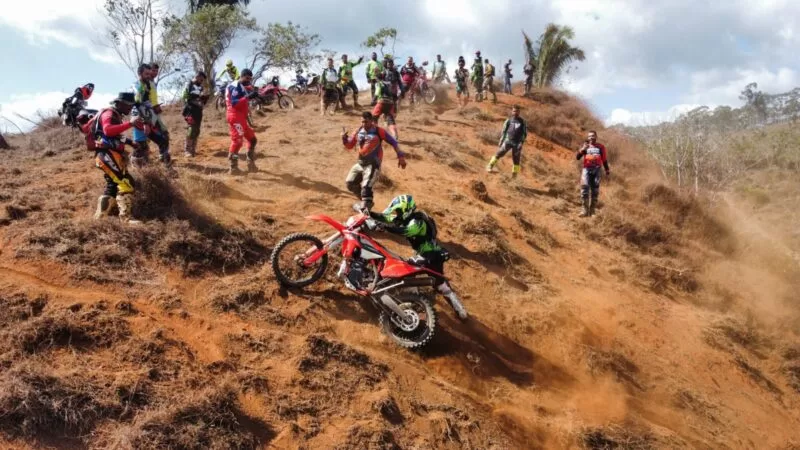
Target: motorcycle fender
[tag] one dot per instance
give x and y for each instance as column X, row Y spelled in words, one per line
column 350, row 246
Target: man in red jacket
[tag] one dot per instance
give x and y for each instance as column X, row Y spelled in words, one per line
column 363, row 175
column 237, row 98
column 594, row 156
column 104, row 135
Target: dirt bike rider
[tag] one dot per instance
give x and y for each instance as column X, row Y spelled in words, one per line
column 515, row 132
column 594, row 155
column 401, row 217
column 386, row 104
column 74, row 104
column 477, row 76
column 365, row 172
column 439, row 72
column 148, row 108
column 348, row 83
column 374, row 67
column 488, row 79
column 104, row 136
column 462, row 85
column 330, row 83
column 237, row 97
column 302, row 82
column 230, row 70
column 194, row 98
column 409, row 74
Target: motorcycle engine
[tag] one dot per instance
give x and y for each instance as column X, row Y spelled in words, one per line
column 356, row 274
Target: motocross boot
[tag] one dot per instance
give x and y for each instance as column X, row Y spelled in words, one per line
column 234, row 164
column 585, row 211
column 104, row 205
column 125, row 204
column 451, row 297
column 492, row 163
column 251, row 161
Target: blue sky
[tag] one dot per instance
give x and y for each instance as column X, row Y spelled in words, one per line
column 646, row 61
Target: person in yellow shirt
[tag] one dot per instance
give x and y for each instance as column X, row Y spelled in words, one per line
column 346, row 77
column 488, row 79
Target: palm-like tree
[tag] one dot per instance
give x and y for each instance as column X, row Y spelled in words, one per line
column 551, row 54
column 194, row 5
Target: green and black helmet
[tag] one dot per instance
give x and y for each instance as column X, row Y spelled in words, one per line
column 401, row 207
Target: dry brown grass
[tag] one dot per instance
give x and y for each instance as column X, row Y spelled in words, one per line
column 562, row 119
column 177, row 233
column 209, row 418
column 617, row 437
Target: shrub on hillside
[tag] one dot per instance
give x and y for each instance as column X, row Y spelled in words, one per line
column 176, row 232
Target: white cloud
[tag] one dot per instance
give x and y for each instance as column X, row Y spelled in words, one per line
column 645, row 118
column 722, row 87
column 32, row 106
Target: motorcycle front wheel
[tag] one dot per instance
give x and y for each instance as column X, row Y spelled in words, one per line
column 416, row 329
column 219, row 103
column 285, row 102
column 287, row 258
column 429, row 94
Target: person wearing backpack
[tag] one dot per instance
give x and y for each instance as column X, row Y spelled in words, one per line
column 401, row 217
column 104, row 136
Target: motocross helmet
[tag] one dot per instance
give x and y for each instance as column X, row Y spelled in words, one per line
column 400, row 209
column 229, row 63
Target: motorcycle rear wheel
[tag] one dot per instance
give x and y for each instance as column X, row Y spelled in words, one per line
column 285, row 274
column 419, row 312
column 294, row 89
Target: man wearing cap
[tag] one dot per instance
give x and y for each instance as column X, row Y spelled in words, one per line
column 109, row 145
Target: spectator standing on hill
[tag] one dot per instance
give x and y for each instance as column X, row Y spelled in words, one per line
column 237, row 98
column 462, row 83
column 477, row 76
column 515, row 132
column 440, row 71
column 193, row 101
column 507, row 76
column 374, row 67
column 348, row 83
column 488, row 79
column 594, row 156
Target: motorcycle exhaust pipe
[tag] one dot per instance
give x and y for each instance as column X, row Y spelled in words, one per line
column 419, row 282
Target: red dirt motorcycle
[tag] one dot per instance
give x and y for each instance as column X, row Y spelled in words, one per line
column 271, row 92
column 406, row 314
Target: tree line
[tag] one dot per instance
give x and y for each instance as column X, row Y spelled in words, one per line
column 709, row 148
